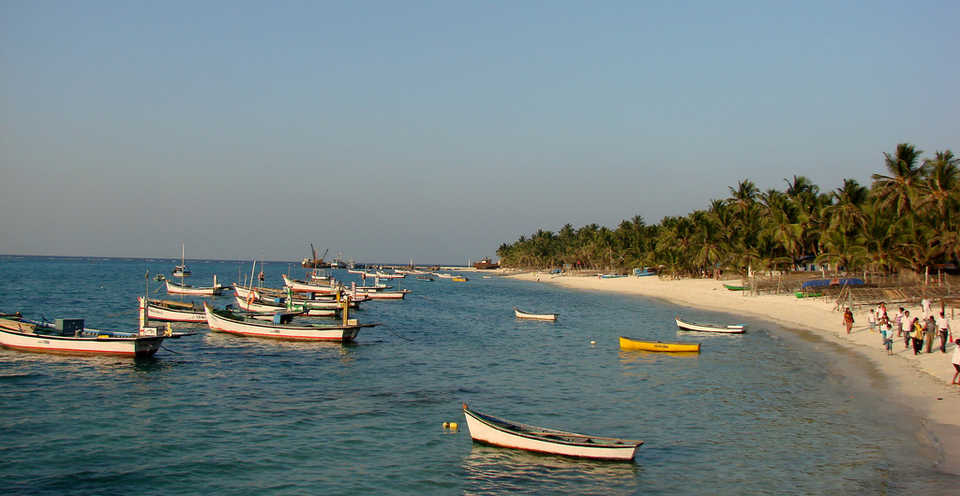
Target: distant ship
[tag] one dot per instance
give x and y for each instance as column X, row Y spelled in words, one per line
column 315, row 262
column 485, row 264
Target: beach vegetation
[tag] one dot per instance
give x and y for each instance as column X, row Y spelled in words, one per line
column 905, row 220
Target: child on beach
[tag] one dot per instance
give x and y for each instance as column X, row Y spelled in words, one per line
column 887, row 334
column 872, row 319
column 898, row 321
column 848, row 319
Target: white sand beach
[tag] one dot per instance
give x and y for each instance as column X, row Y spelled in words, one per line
column 922, row 381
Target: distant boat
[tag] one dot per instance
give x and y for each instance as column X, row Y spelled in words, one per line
column 181, row 270
column 520, row 314
column 692, row 326
column 251, row 304
column 305, row 287
column 734, row 287
column 636, row 344
column 315, row 262
column 508, row 434
column 644, row 272
column 186, row 289
column 459, row 279
column 611, row 276
column 425, row 278
column 485, row 264
column 228, row 322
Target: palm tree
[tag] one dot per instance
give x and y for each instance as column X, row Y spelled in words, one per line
column 896, row 191
column 940, row 193
column 846, row 212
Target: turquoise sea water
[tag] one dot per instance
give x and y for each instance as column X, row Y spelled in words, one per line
column 761, row 413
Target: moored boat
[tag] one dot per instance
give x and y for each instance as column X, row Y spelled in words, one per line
column 508, row 434
column 305, row 287
column 636, row 344
column 228, row 322
column 252, row 305
column 709, row 327
column 69, row 336
column 186, row 289
column 181, row 270
column 520, row 314
column 174, row 311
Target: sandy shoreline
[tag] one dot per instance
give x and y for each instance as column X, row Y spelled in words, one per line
column 922, row 382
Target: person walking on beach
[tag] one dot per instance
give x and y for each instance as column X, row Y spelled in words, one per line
column 956, row 362
column 943, row 324
column 907, row 329
column 872, row 319
column 929, row 333
column 917, row 332
column 887, row 333
column 848, row 319
column 925, row 306
column 898, row 321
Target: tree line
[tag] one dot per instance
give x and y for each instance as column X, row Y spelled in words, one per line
column 906, row 219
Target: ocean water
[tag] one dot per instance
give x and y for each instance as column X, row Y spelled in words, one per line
column 767, row 412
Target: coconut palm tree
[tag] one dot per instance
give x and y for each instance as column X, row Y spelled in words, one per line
column 897, row 190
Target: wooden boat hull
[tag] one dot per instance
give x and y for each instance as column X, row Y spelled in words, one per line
column 221, row 323
column 170, row 314
column 303, row 287
column 174, row 288
column 90, row 343
column 504, row 433
column 635, row 344
column 251, row 305
column 520, row 314
column 732, row 287
column 692, row 326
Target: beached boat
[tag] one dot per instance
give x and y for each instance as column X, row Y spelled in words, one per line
column 520, row 314
column 228, row 322
column 174, row 311
column 186, row 289
column 69, row 336
column 636, row 344
column 508, row 434
column 485, row 264
column 734, row 287
column 706, row 327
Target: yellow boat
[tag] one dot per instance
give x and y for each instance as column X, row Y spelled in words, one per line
column 635, row 344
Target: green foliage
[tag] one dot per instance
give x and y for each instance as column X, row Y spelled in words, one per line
column 906, row 219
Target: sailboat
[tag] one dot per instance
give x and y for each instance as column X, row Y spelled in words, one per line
column 181, row 270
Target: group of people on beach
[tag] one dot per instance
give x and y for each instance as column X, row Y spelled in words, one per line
column 917, row 332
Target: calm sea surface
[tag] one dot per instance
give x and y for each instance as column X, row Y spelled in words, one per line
column 761, row 413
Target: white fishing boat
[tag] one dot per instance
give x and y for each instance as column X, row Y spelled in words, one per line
column 174, row 311
column 186, row 289
column 254, row 306
column 520, row 314
column 508, row 434
column 69, row 336
column 692, row 326
column 280, row 297
column 305, row 287
column 228, row 322
column 181, row 270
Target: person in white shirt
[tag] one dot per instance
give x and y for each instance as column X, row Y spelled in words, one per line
column 925, row 305
column 898, row 321
column 943, row 328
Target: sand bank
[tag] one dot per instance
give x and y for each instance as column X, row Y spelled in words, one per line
column 921, row 381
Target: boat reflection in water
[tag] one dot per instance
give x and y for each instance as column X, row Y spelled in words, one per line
column 493, row 470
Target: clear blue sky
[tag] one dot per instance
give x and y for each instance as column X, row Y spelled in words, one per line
column 438, row 130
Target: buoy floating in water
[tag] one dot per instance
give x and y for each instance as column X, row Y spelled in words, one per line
column 592, row 343
column 451, row 426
